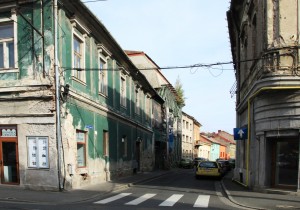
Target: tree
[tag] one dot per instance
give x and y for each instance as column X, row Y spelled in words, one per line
column 180, row 93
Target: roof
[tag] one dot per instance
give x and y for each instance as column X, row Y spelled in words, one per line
column 141, row 53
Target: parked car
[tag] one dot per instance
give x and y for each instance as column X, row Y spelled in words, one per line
column 208, row 168
column 232, row 163
column 225, row 165
column 186, row 163
column 197, row 160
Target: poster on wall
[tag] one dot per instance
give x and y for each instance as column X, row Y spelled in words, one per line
column 38, row 152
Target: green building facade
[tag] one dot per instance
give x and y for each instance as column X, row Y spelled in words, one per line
column 98, row 127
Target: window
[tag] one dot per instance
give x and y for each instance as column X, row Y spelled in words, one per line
column 81, row 148
column 137, row 101
column 38, row 152
column 147, row 108
column 105, row 143
column 102, row 77
column 123, row 91
column 78, row 58
column 124, row 142
column 7, row 49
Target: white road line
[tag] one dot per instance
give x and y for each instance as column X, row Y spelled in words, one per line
column 171, row 200
column 202, row 201
column 140, row 199
column 116, row 197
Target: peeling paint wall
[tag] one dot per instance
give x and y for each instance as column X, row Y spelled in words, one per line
column 27, row 91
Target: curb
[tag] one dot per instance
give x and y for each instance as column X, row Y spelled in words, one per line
column 236, row 202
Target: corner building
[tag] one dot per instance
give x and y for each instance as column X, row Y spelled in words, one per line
column 264, row 38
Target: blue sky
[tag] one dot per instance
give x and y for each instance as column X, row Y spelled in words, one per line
column 179, row 33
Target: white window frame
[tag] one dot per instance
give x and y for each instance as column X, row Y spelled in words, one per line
column 79, row 75
column 38, row 152
column 84, row 143
column 102, row 76
column 137, row 101
column 123, row 90
column 84, row 33
column 3, row 21
column 103, row 56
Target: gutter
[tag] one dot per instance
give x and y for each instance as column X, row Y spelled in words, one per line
column 57, row 94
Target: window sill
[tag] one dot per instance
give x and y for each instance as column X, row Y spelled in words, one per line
column 12, row 70
column 78, row 80
column 103, row 95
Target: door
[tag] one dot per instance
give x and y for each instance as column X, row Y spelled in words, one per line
column 9, row 163
column 138, row 154
column 285, row 163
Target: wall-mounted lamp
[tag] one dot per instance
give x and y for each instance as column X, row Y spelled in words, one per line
column 65, row 92
column 139, row 139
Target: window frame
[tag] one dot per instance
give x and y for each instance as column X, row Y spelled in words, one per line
column 123, row 90
column 102, row 75
column 105, row 142
column 84, row 143
column 7, row 21
column 137, row 109
column 79, row 75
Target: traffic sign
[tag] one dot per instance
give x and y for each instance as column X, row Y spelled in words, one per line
column 89, row 126
column 240, row 133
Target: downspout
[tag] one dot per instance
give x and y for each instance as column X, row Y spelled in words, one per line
column 57, row 95
column 249, row 121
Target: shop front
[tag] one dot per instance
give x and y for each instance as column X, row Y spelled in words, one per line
column 9, row 164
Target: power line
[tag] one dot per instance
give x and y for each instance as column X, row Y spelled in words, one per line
column 92, row 1
column 160, row 68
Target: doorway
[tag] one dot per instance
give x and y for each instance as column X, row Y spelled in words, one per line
column 9, row 164
column 138, row 155
column 285, row 163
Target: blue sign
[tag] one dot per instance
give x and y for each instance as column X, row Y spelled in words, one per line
column 89, row 126
column 240, row 133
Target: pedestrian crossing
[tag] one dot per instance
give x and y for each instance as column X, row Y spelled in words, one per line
column 201, row 201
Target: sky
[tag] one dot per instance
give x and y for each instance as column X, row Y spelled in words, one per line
column 181, row 33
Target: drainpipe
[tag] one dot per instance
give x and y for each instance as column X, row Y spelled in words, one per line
column 249, row 120
column 57, row 96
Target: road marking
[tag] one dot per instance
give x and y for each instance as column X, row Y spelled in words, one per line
column 202, row 201
column 140, row 199
column 116, row 197
column 171, row 200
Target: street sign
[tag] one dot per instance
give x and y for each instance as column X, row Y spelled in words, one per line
column 240, row 133
column 89, row 126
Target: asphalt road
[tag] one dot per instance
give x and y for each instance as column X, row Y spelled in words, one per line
column 179, row 190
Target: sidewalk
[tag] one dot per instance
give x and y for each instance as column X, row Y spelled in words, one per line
column 237, row 193
column 17, row 194
column 269, row 199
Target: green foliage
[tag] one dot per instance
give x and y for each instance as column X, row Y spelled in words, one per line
column 180, row 92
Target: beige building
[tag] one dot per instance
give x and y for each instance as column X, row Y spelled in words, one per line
column 187, row 136
column 264, row 36
column 196, row 129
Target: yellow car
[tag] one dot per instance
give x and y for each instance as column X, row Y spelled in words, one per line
column 208, row 168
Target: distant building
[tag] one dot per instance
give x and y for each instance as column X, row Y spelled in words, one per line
column 227, row 140
column 187, row 136
column 170, row 147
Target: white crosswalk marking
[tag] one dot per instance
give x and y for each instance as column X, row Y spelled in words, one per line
column 171, row 200
column 202, row 201
column 116, row 197
column 140, row 199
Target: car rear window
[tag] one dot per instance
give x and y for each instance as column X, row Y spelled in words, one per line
column 208, row 165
